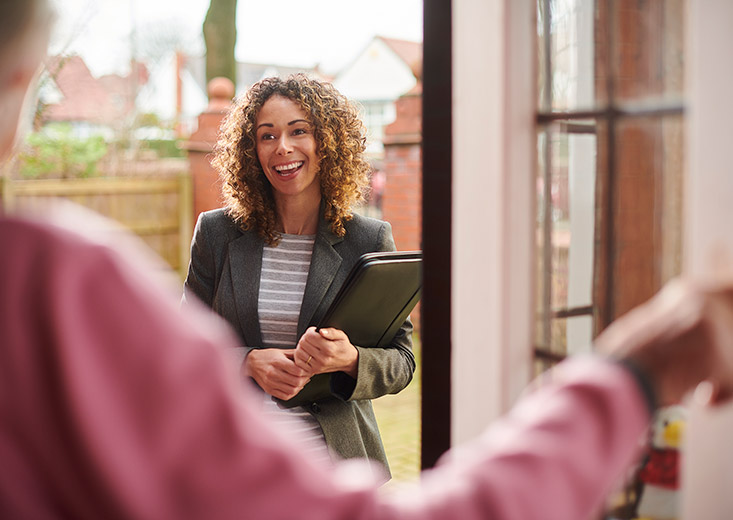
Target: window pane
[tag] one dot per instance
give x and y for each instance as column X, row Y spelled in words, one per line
column 544, row 238
column 565, row 223
column 648, row 43
column 574, row 174
column 568, row 54
column 648, row 208
column 572, row 335
column 579, row 334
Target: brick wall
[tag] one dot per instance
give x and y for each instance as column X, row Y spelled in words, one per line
column 402, row 199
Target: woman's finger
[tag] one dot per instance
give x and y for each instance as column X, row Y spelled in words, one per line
column 333, row 334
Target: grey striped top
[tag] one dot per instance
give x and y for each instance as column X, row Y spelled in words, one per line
column 282, row 284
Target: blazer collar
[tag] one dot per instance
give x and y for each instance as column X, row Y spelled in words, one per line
column 245, row 264
column 325, row 264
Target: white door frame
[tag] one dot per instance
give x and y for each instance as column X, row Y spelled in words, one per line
column 708, row 240
column 494, row 150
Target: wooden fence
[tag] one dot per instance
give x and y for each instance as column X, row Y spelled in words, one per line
column 159, row 210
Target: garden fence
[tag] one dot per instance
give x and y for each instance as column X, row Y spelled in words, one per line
column 158, row 210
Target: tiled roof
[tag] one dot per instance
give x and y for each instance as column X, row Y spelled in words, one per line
column 103, row 100
column 410, row 52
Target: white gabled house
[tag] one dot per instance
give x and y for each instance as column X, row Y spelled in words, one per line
column 386, row 69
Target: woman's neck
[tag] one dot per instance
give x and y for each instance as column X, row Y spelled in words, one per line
column 298, row 219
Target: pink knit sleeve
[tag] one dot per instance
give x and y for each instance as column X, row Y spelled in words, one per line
column 555, row 455
column 122, row 408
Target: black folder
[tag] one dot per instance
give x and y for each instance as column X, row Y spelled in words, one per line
column 375, row 300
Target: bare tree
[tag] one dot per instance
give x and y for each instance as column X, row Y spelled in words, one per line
column 220, row 35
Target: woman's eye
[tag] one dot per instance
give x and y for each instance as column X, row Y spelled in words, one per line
column 267, row 137
column 299, row 131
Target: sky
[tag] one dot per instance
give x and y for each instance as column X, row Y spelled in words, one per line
column 282, row 32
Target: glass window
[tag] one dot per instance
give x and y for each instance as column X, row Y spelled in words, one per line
column 567, row 53
column 610, row 165
column 610, row 169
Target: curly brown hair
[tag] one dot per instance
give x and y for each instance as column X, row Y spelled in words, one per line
column 340, row 140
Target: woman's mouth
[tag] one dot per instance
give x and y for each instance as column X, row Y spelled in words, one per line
column 285, row 170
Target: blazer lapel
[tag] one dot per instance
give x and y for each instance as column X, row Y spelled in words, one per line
column 245, row 265
column 325, row 263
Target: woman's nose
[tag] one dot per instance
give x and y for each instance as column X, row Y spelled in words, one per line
column 284, row 146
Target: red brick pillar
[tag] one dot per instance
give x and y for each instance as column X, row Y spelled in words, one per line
column 206, row 184
column 402, row 199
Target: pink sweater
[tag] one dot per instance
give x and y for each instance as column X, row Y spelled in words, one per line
column 113, row 405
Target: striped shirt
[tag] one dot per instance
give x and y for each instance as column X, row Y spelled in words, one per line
column 282, row 284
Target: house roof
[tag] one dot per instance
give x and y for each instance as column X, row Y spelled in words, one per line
column 408, row 51
column 103, row 100
column 250, row 73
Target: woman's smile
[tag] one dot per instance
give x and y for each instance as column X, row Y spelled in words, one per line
column 289, row 169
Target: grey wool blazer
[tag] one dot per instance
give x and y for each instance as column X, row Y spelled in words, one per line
column 224, row 273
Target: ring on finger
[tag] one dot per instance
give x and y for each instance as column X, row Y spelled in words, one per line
column 308, row 362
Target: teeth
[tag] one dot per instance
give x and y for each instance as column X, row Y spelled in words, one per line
column 288, row 167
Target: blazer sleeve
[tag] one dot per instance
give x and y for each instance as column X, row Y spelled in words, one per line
column 204, row 271
column 384, row 370
column 201, row 268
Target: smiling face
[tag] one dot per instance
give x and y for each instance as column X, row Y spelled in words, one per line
column 287, row 151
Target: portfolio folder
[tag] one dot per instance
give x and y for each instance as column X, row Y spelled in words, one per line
column 375, row 300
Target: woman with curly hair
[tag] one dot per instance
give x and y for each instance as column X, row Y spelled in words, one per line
column 291, row 157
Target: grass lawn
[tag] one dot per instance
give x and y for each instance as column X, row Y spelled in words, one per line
column 399, row 423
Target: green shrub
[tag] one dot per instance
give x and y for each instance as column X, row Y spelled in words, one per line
column 164, row 147
column 57, row 153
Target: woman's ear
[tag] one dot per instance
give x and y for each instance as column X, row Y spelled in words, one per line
column 14, row 100
column 20, row 78
column 11, row 104
column 20, row 59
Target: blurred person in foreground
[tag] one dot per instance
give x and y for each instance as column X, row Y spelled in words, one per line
column 113, row 405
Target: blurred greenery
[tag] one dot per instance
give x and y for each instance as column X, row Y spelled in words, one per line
column 164, row 147
column 57, row 153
